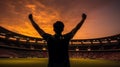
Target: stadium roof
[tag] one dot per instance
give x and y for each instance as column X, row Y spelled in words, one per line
column 10, row 33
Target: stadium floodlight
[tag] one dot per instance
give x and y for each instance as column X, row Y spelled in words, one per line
column 88, row 49
column 44, row 48
column 16, row 36
column 10, row 57
column 77, row 49
column 32, row 48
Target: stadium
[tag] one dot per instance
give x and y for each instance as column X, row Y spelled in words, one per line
column 25, row 51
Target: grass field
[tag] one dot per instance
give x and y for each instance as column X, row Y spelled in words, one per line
column 42, row 62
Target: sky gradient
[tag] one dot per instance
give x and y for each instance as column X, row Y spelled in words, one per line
column 103, row 16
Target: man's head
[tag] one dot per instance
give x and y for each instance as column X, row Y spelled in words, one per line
column 58, row 27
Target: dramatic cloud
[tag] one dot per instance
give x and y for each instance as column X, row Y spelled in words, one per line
column 103, row 16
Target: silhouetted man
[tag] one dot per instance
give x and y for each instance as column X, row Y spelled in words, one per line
column 58, row 43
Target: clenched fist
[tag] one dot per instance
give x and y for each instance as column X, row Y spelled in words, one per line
column 84, row 16
column 30, row 17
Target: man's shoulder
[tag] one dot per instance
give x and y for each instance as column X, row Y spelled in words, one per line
column 67, row 35
column 46, row 36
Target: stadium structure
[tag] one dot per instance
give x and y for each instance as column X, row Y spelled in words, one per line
column 15, row 45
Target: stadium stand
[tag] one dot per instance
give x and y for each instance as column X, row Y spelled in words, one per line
column 14, row 45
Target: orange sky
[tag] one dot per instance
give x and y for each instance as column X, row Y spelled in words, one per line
column 102, row 16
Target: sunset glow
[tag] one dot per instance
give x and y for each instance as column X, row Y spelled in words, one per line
column 102, row 16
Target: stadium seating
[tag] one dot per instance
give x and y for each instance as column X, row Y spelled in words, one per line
column 15, row 45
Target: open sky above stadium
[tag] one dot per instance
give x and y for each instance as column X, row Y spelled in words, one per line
column 103, row 16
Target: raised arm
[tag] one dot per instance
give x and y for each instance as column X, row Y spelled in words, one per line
column 39, row 30
column 74, row 30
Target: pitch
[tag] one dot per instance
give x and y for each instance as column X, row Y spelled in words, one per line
column 42, row 62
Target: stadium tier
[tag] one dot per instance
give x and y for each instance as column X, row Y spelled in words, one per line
column 17, row 45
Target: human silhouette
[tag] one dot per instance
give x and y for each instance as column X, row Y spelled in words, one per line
column 58, row 44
